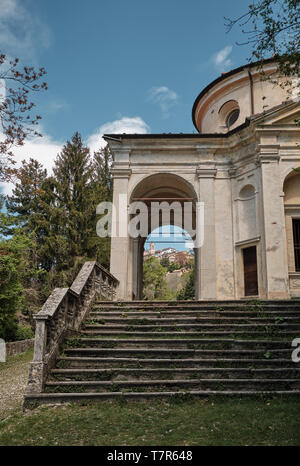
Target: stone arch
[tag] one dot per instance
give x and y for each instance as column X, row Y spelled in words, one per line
column 247, row 192
column 291, row 190
column 291, row 187
column 168, row 188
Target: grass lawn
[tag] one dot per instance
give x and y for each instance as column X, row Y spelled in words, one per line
column 198, row 422
column 183, row 423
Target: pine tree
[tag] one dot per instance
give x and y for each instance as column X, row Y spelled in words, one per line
column 101, row 190
column 74, row 214
column 24, row 201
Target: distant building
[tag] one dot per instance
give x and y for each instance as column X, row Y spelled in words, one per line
column 180, row 257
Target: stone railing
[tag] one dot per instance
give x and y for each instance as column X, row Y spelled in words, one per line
column 63, row 313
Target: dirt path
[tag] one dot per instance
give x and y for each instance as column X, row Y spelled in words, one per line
column 13, row 380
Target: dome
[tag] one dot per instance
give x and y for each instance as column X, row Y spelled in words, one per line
column 226, row 103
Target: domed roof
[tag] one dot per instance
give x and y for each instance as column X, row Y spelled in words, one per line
column 227, row 101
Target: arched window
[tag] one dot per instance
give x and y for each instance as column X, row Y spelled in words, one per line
column 229, row 113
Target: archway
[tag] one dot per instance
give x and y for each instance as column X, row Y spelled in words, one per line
column 168, row 265
column 159, row 200
column 291, row 189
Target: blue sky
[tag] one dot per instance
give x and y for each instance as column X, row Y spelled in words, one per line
column 171, row 236
column 118, row 66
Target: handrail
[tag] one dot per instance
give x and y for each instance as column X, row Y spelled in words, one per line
column 62, row 313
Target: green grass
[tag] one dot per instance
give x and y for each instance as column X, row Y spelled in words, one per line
column 18, row 358
column 178, row 422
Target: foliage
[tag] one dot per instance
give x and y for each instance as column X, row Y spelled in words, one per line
column 5, row 219
column 154, row 282
column 170, row 266
column 16, row 272
column 188, row 291
column 24, row 333
column 24, row 201
column 57, row 216
column 272, row 28
column 16, row 118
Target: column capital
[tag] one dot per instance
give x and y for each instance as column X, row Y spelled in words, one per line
column 206, row 172
column 268, row 153
column 121, row 172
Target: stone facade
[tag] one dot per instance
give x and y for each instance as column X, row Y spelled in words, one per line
column 241, row 166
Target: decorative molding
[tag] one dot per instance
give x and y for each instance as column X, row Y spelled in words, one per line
column 246, row 242
column 209, row 172
column 119, row 172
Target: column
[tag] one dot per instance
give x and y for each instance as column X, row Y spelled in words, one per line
column 207, row 255
column 274, row 225
column 119, row 252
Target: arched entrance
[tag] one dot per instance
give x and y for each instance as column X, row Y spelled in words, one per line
column 168, row 265
column 291, row 190
column 160, row 199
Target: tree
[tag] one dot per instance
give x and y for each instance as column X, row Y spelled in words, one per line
column 188, row 290
column 72, row 175
column 101, row 190
column 154, row 282
column 25, row 199
column 18, row 83
column 5, row 219
column 272, row 29
column 165, row 262
column 102, row 173
column 16, row 273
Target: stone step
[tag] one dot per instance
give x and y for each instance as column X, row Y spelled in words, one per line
column 188, row 335
column 189, row 327
column 189, row 343
column 57, row 398
column 161, row 385
column 180, row 352
column 200, row 304
column 175, row 315
column 132, row 362
column 120, row 373
column 209, row 307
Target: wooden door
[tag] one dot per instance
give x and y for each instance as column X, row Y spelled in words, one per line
column 250, row 271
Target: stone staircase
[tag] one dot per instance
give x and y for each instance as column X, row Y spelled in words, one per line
column 143, row 350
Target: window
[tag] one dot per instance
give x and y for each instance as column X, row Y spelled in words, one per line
column 229, row 113
column 232, row 117
column 296, row 234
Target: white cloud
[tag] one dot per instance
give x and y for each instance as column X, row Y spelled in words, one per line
column 21, row 33
column 45, row 149
column 221, row 59
column 135, row 125
column 164, row 97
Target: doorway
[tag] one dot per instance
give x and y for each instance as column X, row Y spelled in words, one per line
column 296, row 235
column 250, row 271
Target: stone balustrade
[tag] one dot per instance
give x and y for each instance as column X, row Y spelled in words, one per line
column 63, row 313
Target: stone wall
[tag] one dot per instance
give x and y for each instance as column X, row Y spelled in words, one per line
column 16, row 347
